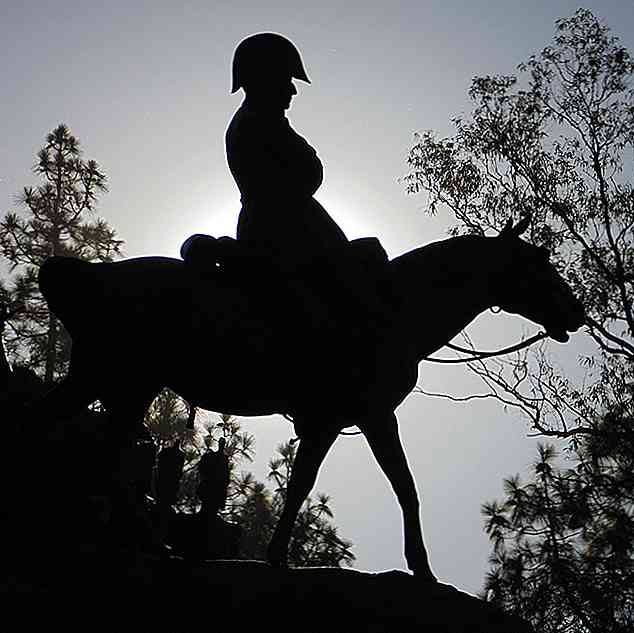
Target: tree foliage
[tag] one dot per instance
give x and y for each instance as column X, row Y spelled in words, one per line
column 556, row 145
column 563, row 542
column 556, row 142
column 251, row 504
column 315, row 541
column 53, row 222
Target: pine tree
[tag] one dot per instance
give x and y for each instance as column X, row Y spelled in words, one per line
column 250, row 504
column 563, row 541
column 52, row 222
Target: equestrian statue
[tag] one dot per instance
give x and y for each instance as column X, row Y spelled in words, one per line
column 291, row 317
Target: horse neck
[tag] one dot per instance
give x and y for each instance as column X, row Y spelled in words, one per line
column 444, row 286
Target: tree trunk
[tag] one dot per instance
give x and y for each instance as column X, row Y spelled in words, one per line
column 5, row 368
column 51, row 349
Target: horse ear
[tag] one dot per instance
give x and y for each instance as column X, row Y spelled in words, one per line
column 522, row 225
column 515, row 231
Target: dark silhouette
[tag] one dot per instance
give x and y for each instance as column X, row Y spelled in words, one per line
column 228, row 355
column 122, row 487
column 169, row 471
column 585, row 500
column 17, row 384
column 58, row 219
column 311, row 265
column 276, row 170
column 213, row 483
column 204, row 535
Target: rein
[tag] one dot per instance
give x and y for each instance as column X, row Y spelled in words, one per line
column 476, row 355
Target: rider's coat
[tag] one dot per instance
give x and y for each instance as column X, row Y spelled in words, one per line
column 278, row 172
column 325, row 287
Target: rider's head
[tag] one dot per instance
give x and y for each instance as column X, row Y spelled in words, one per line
column 264, row 65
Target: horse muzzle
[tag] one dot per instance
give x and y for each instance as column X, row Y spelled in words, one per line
column 559, row 335
column 575, row 318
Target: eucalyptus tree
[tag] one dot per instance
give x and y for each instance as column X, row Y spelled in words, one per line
column 556, row 141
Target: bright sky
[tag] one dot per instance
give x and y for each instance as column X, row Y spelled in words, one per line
column 145, row 87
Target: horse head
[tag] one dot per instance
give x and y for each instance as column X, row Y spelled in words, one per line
column 531, row 286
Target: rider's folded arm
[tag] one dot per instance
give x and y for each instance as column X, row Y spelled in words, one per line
column 298, row 156
column 277, row 148
column 269, row 172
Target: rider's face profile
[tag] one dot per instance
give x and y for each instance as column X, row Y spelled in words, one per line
column 287, row 91
column 275, row 92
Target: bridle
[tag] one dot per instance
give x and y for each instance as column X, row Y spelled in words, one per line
column 474, row 355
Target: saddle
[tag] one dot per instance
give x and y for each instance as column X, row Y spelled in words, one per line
column 208, row 254
column 340, row 302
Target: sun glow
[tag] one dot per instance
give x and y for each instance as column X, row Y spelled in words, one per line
column 221, row 216
column 347, row 214
column 217, row 217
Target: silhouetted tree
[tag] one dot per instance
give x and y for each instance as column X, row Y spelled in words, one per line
column 251, row 504
column 256, row 508
column 166, row 419
column 563, row 554
column 252, row 510
column 555, row 145
column 53, row 223
column 315, row 540
column 556, row 142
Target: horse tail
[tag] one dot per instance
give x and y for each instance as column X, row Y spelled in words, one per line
column 67, row 283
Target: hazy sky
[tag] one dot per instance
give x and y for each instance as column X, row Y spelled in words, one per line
column 145, row 87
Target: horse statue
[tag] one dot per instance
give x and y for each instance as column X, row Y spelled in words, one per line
column 143, row 324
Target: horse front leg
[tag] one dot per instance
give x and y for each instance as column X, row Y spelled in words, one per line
column 383, row 437
column 313, row 447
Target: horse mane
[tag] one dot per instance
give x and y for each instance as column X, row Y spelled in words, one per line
column 444, row 262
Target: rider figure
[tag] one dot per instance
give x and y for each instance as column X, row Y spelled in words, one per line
column 276, row 170
column 278, row 173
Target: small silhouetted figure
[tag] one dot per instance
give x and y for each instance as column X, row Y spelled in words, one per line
column 213, row 479
column 204, row 534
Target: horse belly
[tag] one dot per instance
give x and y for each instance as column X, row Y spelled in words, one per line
column 228, row 358
column 234, row 387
